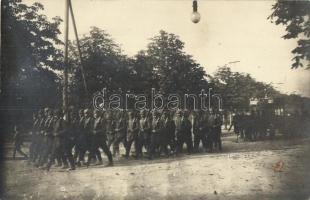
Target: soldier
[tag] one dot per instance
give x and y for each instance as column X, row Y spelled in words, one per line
column 88, row 131
column 70, row 137
column 98, row 139
column 18, row 142
column 143, row 139
column 34, row 138
column 120, row 132
column 157, row 128
column 242, row 125
column 109, row 128
column 41, row 144
column 178, row 122
column 216, row 131
column 185, row 135
column 59, row 129
column 199, row 130
column 248, row 126
column 132, row 131
column 236, row 123
column 168, row 134
column 80, row 142
column 48, row 136
column 210, row 118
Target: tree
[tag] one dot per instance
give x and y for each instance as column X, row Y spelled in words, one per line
column 175, row 71
column 104, row 64
column 28, row 60
column 29, row 41
column 295, row 16
column 237, row 88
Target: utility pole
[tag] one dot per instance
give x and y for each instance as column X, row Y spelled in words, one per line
column 65, row 83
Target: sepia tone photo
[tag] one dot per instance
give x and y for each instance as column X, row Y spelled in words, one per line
column 155, row 100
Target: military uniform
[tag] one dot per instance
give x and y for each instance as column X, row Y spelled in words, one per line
column 143, row 139
column 18, row 141
column 157, row 128
column 59, row 130
column 120, row 133
column 98, row 139
column 199, row 130
column 185, row 135
column 168, row 134
column 216, row 131
column 132, row 133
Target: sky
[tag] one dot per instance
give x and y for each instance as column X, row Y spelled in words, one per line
column 232, row 30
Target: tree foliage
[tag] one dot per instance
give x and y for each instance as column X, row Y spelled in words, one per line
column 236, row 89
column 175, row 71
column 29, row 41
column 295, row 16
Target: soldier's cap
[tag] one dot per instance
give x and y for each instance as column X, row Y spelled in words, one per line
column 46, row 109
column 57, row 112
column 97, row 111
column 142, row 111
column 179, row 112
column 156, row 112
column 88, row 111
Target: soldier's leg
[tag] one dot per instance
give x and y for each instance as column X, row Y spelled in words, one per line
column 69, row 144
column 98, row 154
column 172, row 143
column 189, row 144
column 14, row 153
column 19, row 150
column 163, row 144
column 139, row 145
column 152, row 146
column 197, row 138
column 128, row 147
column 54, row 153
column 107, row 151
column 219, row 140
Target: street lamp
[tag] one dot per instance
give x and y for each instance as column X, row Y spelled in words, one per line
column 195, row 14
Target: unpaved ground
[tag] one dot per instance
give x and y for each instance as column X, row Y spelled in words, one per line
column 242, row 171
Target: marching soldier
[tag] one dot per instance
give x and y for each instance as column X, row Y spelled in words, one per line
column 157, row 128
column 120, row 132
column 88, row 131
column 185, row 135
column 132, row 131
column 209, row 130
column 34, row 138
column 80, row 142
column 18, row 141
column 70, row 137
column 109, row 128
column 48, row 136
column 236, row 124
column 41, row 145
column 59, row 130
column 216, row 131
column 98, row 139
column 143, row 139
column 199, row 130
column 168, row 133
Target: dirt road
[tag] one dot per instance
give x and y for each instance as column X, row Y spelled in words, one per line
column 245, row 170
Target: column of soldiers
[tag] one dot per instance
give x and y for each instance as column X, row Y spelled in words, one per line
column 252, row 126
column 258, row 125
column 80, row 138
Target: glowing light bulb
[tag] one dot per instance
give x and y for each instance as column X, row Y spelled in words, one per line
column 195, row 17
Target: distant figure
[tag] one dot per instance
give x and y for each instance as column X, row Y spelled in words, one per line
column 18, row 142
